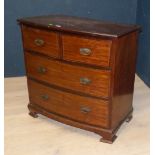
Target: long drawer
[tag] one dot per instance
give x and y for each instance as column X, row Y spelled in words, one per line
column 90, row 81
column 83, row 109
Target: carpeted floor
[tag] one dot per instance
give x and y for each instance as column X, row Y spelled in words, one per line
column 25, row 135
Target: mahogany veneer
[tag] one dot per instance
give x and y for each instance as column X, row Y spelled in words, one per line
column 50, row 41
column 69, row 76
column 100, row 48
column 80, row 71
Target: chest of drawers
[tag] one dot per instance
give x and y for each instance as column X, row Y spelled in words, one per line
column 80, row 71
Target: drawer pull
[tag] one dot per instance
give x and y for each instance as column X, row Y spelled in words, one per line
column 45, row 97
column 42, row 70
column 85, row 110
column 85, row 81
column 85, row 51
column 39, row 42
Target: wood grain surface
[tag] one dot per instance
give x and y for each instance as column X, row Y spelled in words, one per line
column 124, row 68
column 50, row 46
column 69, row 105
column 100, row 50
column 68, row 76
column 78, row 25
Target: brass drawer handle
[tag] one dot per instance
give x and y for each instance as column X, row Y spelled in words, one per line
column 85, row 81
column 85, row 110
column 45, row 97
column 85, row 51
column 42, row 70
column 39, row 42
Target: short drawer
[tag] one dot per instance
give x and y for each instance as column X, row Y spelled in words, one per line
column 83, row 109
column 86, row 50
column 90, row 81
column 42, row 41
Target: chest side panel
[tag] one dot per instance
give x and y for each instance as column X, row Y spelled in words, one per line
column 123, row 76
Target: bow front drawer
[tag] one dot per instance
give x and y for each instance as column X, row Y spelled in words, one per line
column 41, row 41
column 79, row 108
column 89, row 81
column 89, row 51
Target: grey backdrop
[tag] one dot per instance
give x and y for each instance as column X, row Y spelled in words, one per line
column 120, row 11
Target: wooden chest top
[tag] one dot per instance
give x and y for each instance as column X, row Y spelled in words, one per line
column 80, row 25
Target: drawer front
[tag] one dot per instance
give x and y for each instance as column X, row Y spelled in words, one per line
column 90, row 81
column 89, row 51
column 82, row 109
column 41, row 41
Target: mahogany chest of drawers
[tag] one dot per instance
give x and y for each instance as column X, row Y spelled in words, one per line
column 80, row 71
